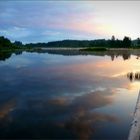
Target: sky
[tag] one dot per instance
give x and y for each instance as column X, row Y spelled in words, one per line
column 44, row 21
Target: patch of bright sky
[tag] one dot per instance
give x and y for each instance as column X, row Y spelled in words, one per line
column 34, row 21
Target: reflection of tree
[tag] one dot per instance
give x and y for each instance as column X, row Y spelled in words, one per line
column 133, row 76
column 85, row 124
column 125, row 54
column 18, row 52
column 7, row 54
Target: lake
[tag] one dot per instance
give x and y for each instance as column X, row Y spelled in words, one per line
column 76, row 96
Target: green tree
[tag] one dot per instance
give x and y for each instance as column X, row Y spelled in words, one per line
column 18, row 44
column 126, row 41
column 138, row 41
column 5, row 43
column 112, row 42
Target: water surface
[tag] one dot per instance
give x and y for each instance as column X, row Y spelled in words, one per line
column 67, row 97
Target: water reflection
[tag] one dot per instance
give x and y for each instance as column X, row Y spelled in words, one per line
column 84, row 125
column 133, row 76
column 75, row 116
column 66, row 97
column 6, row 108
column 125, row 54
column 7, row 54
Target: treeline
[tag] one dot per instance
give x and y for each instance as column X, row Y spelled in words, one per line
column 126, row 42
column 112, row 43
column 77, row 43
column 5, row 43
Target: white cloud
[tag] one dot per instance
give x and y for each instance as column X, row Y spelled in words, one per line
column 15, row 32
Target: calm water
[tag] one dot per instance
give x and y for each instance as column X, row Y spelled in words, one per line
column 56, row 96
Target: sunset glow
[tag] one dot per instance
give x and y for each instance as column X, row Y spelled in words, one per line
column 51, row 20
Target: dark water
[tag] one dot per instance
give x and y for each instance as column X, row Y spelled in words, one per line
column 67, row 97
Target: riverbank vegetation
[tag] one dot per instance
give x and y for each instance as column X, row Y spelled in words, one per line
column 8, row 48
column 110, row 43
column 87, row 45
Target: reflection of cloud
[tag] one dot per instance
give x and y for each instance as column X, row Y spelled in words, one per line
column 92, row 100
column 59, row 101
column 87, row 101
column 83, row 124
column 84, row 103
column 133, row 86
column 75, row 114
column 6, row 108
column 119, row 74
column 82, row 121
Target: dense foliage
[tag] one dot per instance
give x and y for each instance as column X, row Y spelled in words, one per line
column 111, row 43
column 5, row 43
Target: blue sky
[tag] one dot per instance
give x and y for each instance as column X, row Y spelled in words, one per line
column 43, row 21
